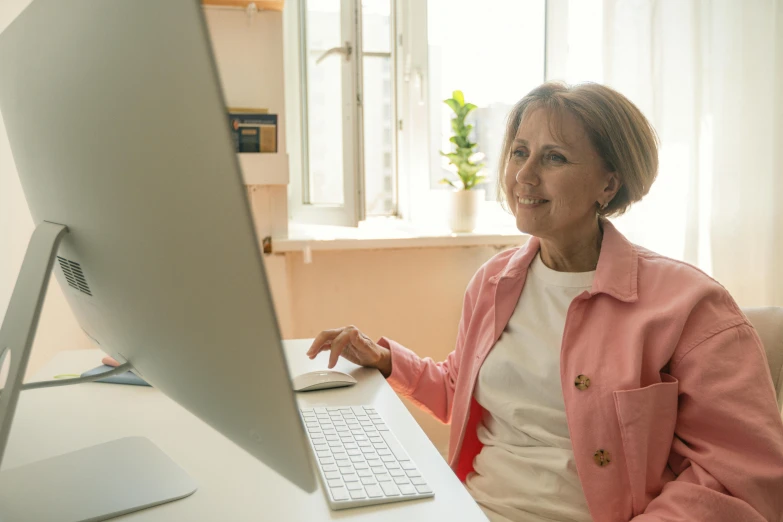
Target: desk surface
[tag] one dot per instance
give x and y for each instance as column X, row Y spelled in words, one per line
column 232, row 485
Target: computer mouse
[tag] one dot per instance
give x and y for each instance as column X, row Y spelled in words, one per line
column 322, row 380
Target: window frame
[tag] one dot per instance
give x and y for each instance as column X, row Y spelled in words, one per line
column 415, row 199
column 300, row 209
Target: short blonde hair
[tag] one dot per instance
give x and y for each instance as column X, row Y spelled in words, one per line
column 618, row 130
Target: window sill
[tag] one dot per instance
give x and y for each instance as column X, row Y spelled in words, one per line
column 391, row 233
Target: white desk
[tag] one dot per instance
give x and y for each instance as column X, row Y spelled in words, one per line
column 232, row 485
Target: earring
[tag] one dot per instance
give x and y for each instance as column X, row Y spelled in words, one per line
column 603, row 207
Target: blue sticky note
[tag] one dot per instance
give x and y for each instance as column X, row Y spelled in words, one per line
column 122, row 378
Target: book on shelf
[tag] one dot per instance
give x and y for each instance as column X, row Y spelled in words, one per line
column 253, row 130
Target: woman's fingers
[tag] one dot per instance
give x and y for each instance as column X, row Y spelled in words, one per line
column 322, row 342
column 339, row 343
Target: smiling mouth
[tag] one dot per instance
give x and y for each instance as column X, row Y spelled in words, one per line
column 531, row 201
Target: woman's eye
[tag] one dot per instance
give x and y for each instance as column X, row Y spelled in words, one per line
column 557, row 158
column 519, row 153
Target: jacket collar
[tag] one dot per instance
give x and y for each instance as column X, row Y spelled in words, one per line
column 616, row 273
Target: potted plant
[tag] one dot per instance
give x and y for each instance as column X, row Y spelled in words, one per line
column 466, row 198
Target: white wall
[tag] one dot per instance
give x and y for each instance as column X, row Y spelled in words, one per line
column 57, row 329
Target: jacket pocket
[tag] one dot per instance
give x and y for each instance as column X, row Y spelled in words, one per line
column 647, row 418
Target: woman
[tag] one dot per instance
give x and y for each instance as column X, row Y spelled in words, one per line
column 593, row 379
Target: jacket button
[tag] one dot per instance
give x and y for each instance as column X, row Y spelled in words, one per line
column 582, row 382
column 602, row 457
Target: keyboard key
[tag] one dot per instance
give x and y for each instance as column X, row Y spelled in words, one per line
column 357, row 458
column 413, row 472
column 396, row 473
column 335, row 444
column 332, row 437
column 407, row 489
column 392, row 465
column 326, row 453
column 354, row 486
column 384, row 452
column 361, row 465
column 373, row 491
column 332, row 474
column 320, row 447
column 382, row 428
column 394, row 446
column 346, row 470
column 386, row 458
column 351, row 478
column 376, row 438
column 379, row 445
column 389, row 489
column 350, row 445
column 365, row 473
column 401, row 480
column 330, row 467
column 358, row 494
column 383, row 477
column 373, row 462
column 369, row 480
column 424, row 489
column 354, row 452
column 364, row 443
column 378, row 469
column 407, row 465
column 368, row 450
column 339, row 493
column 326, row 460
column 418, row 481
column 335, row 483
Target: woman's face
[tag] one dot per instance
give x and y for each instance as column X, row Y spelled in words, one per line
column 554, row 183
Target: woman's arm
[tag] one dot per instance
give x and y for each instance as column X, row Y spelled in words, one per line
column 728, row 444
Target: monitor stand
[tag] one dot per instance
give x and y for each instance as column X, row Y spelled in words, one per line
column 91, row 484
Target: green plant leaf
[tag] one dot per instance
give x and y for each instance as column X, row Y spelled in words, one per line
column 459, row 97
column 453, row 104
column 446, row 181
column 469, row 107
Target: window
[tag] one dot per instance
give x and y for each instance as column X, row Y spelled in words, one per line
column 345, row 117
column 494, row 62
column 370, row 130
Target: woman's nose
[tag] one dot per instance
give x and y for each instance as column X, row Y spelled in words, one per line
column 527, row 174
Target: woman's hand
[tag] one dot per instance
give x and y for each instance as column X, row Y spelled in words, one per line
column 354, row 346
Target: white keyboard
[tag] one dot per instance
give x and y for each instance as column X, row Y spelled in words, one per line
column 361, row 462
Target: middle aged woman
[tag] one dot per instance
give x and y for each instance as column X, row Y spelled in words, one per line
column 593, row 379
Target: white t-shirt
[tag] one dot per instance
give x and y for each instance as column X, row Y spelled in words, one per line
column 526, row 471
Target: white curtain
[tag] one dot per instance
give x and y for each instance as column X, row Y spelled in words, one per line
column 709, row 76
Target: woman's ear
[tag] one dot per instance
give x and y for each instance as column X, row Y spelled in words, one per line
column 612, row 186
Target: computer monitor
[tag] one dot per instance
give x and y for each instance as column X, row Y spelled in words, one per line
column 119, row 131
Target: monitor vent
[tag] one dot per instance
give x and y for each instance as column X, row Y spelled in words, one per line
column 74, row 275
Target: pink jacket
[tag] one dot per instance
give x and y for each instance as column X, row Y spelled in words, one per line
column 678, row 421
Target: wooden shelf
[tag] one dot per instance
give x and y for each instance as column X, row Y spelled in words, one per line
column 264, row 168
column 268, row 5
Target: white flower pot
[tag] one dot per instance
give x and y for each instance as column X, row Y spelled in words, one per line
column 464, row 207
